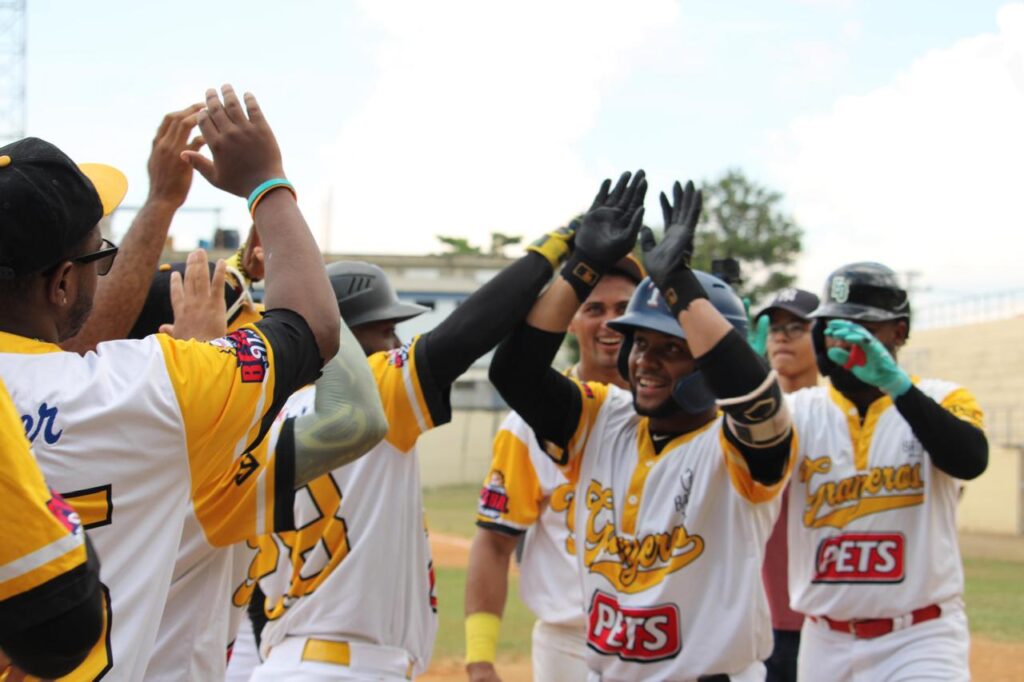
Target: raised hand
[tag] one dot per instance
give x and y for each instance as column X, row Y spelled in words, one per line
column 245, row 152
column 668, row 262
column 877, row 367
column 170, row 176
column 676, row 248
column 198, row 303
column 609, row 228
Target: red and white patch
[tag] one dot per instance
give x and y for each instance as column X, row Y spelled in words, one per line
column 860, row 558
column 645, row 634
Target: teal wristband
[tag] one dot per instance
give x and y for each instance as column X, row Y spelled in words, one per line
column 264, row 187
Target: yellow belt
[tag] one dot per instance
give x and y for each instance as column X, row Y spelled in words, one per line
column 338, row 653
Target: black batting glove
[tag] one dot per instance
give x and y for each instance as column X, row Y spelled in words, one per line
column 668, row 263
column 607, row 232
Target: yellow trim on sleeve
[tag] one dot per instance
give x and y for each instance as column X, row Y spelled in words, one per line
column 739, row 472
column 963, row 404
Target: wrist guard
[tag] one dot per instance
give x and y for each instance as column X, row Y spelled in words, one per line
column 680, row 289
column 581, row 274
column 759, row 419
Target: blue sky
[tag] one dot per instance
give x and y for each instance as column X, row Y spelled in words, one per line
column 893, row 128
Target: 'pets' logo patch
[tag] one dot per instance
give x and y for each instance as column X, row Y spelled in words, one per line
column 64, row 513
column 493, row 496
column 645, row 634
column 860, row 558
column 251, row 352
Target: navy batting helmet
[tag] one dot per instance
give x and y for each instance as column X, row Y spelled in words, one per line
column 648, row 310
column 365, row 295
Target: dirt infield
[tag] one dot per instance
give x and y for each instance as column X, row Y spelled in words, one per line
column 991, row 661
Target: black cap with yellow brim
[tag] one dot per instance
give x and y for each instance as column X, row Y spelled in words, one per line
column 48, row 204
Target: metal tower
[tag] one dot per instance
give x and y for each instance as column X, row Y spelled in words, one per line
column 12, row 70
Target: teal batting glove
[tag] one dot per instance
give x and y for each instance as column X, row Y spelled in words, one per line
column 757, row 337
column 869, row 360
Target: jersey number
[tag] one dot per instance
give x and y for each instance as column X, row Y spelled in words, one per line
column 95, row 509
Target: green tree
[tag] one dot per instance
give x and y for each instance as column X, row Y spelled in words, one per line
column 744, row 220
column 459, row 246
column 499, row 241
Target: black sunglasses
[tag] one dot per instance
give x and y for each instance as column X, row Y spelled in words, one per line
column 103, row 257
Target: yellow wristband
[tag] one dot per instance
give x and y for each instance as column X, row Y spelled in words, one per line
column 482, row 630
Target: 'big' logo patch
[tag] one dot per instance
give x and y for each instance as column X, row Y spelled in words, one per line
column 860, row 558
column 250, row 350
column 645, row 634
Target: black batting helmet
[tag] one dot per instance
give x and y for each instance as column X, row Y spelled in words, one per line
column 864, row 291
column 365, row 295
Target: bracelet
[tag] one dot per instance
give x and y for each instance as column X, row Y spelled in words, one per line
column 264, row 188
column 482, row 630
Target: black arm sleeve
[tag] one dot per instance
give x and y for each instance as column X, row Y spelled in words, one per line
column 546, row 400
column 956, row 446
column 47, row 642
column 731, row 368
column 483, row 319
column 297, row 360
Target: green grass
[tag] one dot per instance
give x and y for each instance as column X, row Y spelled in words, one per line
column 452, row 509
column 994, row 596
column 516, row 625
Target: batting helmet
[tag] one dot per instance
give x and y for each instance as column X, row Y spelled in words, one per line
column 648, row 310
column 863, row 292
column 365, row 295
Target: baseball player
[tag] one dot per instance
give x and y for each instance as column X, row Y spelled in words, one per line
column 133, row 432
column 350, row 594
column 784, row 336
column 199, row 621
column 525, row 493
column 873, row 555
column 51, row 610
column 673, row 502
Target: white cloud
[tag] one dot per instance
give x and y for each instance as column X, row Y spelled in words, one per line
column 474, row 122
column 923, row 174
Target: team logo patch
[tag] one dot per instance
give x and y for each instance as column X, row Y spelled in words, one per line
column 860, row 558
column 493, row 496
column 250, row 350
column 840, row 289
column 399, row 357
column 64, row 513
column 644, row 634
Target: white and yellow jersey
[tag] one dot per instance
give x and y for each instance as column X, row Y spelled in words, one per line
column 525, row 492
column 200, row 620
column 133, row 432
column 358, row 568
column 669, row 545
column 872, row 522
column 43, row 543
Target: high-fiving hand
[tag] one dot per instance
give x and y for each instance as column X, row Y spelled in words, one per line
column 245, row 152
column 668, row 262
column 607, row 232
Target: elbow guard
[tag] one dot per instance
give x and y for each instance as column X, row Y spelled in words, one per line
column 759, row 419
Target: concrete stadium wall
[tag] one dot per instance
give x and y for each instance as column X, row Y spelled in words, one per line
column 460, row 451
column 986, row 358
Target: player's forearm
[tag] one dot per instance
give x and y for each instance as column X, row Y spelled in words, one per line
column 956, row 447
column 122, row 292
column 295, row 275
column 758, row 420
column 546, row 400
column 485, row 318
column 348, row 418
column 487, row 574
